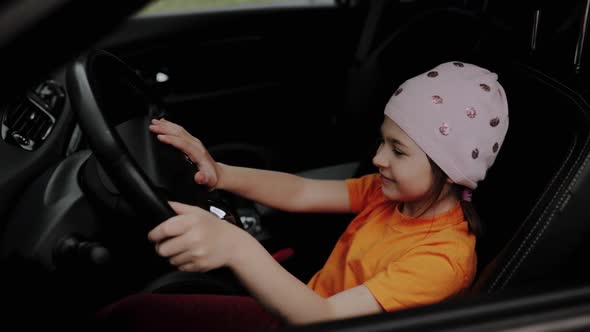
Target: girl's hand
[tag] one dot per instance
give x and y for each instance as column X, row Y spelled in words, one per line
column 173, row 134
column 196, row 240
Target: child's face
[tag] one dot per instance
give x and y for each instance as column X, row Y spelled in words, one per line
column 406, row 174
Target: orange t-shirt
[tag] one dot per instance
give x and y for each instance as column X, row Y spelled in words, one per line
column 404, row 262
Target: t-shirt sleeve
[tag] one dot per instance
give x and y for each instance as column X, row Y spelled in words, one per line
column 362, row 190
column 423, row 276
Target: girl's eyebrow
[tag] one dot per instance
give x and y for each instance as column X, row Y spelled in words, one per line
column 391, row 139
column 395, row 141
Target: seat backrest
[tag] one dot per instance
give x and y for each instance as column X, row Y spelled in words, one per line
column 531, row 201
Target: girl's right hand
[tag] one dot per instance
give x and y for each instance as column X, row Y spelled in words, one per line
column 173, row 134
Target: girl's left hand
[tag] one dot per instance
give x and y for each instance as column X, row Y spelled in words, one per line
column 196, row 240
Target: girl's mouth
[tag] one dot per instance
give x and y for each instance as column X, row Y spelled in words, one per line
column 385, row 179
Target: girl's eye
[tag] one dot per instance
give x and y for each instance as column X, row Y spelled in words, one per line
column 396, row 151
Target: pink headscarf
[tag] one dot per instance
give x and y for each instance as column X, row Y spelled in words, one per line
column 458, row 114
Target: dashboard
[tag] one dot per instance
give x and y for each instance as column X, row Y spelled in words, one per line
column 37, row 130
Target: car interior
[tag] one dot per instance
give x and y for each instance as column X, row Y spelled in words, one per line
column 298, row 89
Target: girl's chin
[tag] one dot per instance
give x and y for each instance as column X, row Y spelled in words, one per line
column 389, row 192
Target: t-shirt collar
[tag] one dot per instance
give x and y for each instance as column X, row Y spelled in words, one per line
column 441, row 220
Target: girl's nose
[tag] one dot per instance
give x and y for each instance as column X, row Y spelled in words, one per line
column 378, row 160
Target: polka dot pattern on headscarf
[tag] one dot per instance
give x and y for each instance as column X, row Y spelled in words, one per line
column 495, row 147
column 494, row 122
column 485, row 87
column 471, row 112
column 444, row 129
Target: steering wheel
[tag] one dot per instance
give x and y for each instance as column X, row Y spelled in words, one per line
column 114, row 108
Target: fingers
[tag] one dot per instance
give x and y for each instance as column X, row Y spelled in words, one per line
column 180, row 238
column 172, row 227
column 174, row 246
column 206, row 174
column 196, row 153
column 164, row 127
column 169, row 128
column 188, row 216
column 195, row 267
column 203, row 177
column 173, row 134
column 182, row 258
column 181, row 143
column 181, row 208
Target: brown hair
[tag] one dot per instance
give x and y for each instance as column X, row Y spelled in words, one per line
column 440, row 178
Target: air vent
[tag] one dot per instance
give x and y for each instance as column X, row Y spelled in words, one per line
column 28, row 121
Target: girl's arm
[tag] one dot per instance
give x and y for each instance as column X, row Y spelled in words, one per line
column 275, row 189
column 283, row 294
column 284, row 191
column 197, row 241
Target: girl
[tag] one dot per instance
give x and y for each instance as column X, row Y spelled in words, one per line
column 412, row 242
